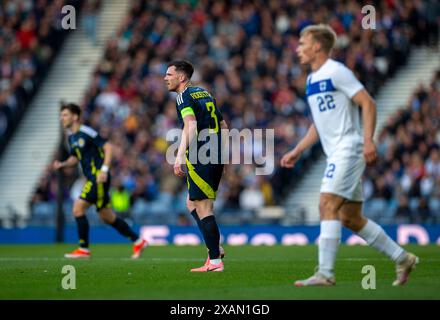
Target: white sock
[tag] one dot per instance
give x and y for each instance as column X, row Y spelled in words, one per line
column 329, row 239
column 216, row 261
column 376, row 237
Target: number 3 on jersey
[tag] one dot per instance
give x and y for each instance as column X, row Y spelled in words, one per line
column 211, row 107
column 325, row 102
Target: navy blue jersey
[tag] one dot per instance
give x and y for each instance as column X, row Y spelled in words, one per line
column 198, row 102
column 87, row 146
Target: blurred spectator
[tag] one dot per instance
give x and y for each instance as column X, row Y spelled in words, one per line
column 90, row 19
column 382, row 189
column 433, row 163
column 120, row 201
column 30, row 36
column 404, row 213
column 251, row 198
column 423, row 211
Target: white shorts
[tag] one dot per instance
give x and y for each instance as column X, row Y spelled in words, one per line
column 343, row 176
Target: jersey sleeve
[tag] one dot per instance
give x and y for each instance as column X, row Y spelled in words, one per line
column 345, row 81
column 71, row 150
column 185, row 106
column 93, row 136
column 98, row 141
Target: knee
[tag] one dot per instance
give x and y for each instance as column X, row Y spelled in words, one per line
column 327, row 210
column 107, row 218
column 78, row 211
column 204, row 209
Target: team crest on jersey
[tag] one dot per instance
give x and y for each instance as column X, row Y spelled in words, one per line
column 322, row 86
column 81, row 142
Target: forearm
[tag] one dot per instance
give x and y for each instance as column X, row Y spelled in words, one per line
column 108, row 153
column 308, row 140
column 368, row 106
column 183, row 144
column 369, row 119
column 188, row 135
column 70, row 162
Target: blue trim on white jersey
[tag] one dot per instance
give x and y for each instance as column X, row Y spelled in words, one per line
column 320, row 86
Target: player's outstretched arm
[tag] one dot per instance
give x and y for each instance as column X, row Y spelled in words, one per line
column 368, row 106
column 291, row 157
column 70, row 162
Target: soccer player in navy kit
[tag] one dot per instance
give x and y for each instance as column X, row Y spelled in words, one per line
column 197, row 111
column 94, row 153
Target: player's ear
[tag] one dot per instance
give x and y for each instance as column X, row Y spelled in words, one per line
column 316, row 47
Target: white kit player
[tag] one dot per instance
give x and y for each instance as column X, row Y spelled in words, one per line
column 333, row 94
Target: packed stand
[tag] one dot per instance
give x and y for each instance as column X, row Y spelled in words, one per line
column 404, row 186
column 244, row 54
column 30, row 36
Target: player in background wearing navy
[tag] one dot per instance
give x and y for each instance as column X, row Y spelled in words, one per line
column 334, row 94
column 197, row 110
column 94, row 153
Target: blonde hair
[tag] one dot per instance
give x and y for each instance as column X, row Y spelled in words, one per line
column 322, row 33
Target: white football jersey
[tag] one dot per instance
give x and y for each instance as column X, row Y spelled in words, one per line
column 337, row 119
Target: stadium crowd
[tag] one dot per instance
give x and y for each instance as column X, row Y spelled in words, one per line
column 405, row 183
column 30, row 36
column 244, row 54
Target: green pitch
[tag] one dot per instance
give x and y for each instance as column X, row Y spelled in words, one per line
column 34, row 272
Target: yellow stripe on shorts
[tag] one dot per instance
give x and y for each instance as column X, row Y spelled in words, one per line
column 202, row 184
column 100, row 191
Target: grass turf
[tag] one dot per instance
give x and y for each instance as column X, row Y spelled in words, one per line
column 34, row 272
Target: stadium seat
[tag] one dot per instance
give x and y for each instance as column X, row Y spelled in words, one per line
column 43, row 214
column 434, row 206
column 413, row 203
column 376, row 209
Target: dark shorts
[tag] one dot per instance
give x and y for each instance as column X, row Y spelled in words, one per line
column 97, row 194
column 203, row 180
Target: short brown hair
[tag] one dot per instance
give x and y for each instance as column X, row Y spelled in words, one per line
column 74, row 108
column 322, row 33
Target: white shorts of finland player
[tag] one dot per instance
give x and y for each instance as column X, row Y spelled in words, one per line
column 343, row 176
